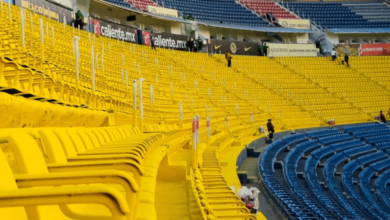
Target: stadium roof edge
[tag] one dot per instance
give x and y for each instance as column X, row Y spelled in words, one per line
column 238, row 27
column 359, row 30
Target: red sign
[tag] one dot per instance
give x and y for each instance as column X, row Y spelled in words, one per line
column 146, row 38
column 96, row 26
column 374, row 50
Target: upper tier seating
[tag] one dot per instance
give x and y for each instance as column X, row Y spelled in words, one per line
column 322, row 178
column 226, row 11
column 263, row 7
column 337, row 14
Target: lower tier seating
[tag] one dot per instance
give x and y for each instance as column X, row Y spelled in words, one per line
column 330, row 173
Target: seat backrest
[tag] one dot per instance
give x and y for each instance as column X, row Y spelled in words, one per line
column 55, row 152
column 66, row 142
column 76, row 140
column 27, row 153
column 7, row 182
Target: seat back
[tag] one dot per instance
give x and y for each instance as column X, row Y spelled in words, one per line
column 7, row 182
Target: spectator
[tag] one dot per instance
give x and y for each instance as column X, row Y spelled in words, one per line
column 272, row 17
column 151, row 37
column 388, row 113
column 200, row 43
column 262, row 130
column 346, row 58
column 334, row 54
column 190, row 45
column 228, row 57
column 267, row 16
column 79, row 20
column 190, row 17
column 382, row 117
column 271, row 129
column 261, row 49
column 185, row 16
column 265, row 49
column 347, row 52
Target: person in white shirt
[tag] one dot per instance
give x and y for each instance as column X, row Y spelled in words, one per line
column 334, row 54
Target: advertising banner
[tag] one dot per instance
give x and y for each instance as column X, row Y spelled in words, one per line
column 381, row 49
column 115, row 31
column 46, row 8
column 295, row 23
column 163, row 11
column 235, row 47
column 298, row 50
column 166, row 40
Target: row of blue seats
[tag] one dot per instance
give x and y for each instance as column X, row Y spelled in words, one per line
column 365, row 179
column 291, row 207
column 372, row 132
column 316, row 203
column 217, row 11
column 347, row 180
column 322, row 132
column 335, row 203
column 363, row 127
column 334, row 138
column 352, row 206
column 381, row 184
column 383, row 145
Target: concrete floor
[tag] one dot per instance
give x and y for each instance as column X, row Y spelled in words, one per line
column 267, row 206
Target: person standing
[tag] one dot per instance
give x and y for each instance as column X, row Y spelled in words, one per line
column 271, row 129
column 388, row 112
column 382, row 117
column 261, row 49
column 346, row 58
column 265, row 49
column 151, row 37
column 347, row 52
column 334, row 54
column 228, row 57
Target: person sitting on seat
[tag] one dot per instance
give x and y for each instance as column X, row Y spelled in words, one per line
column 262, row 130
column 382, row 117
column 228, row 57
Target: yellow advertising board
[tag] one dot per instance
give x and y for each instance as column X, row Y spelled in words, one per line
column 294, row 50
column 295, row 23
column 163, row 11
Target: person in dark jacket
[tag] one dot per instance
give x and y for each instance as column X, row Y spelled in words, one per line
column 271, row 129
column 382, row 117
column 261, row 49
column 151, row 36
column 228, row 57
column 265, row 49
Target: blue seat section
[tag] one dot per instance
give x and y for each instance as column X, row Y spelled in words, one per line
column 328, row 174
column 312, row 176
column 348, row 181
column 295, row 139
column 121, row 3
column 367, row 133
column 381, row 184
column 227, row 11
column 357, row 211
column 354, row 128
column 335, row 15
column 377, row 139
column 365, row 185
column 334, row 138
column 383, row 145
column 314, row 201
column 291, row 207
column 322, row 132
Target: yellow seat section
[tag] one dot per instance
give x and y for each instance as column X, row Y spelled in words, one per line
column 35, row 173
